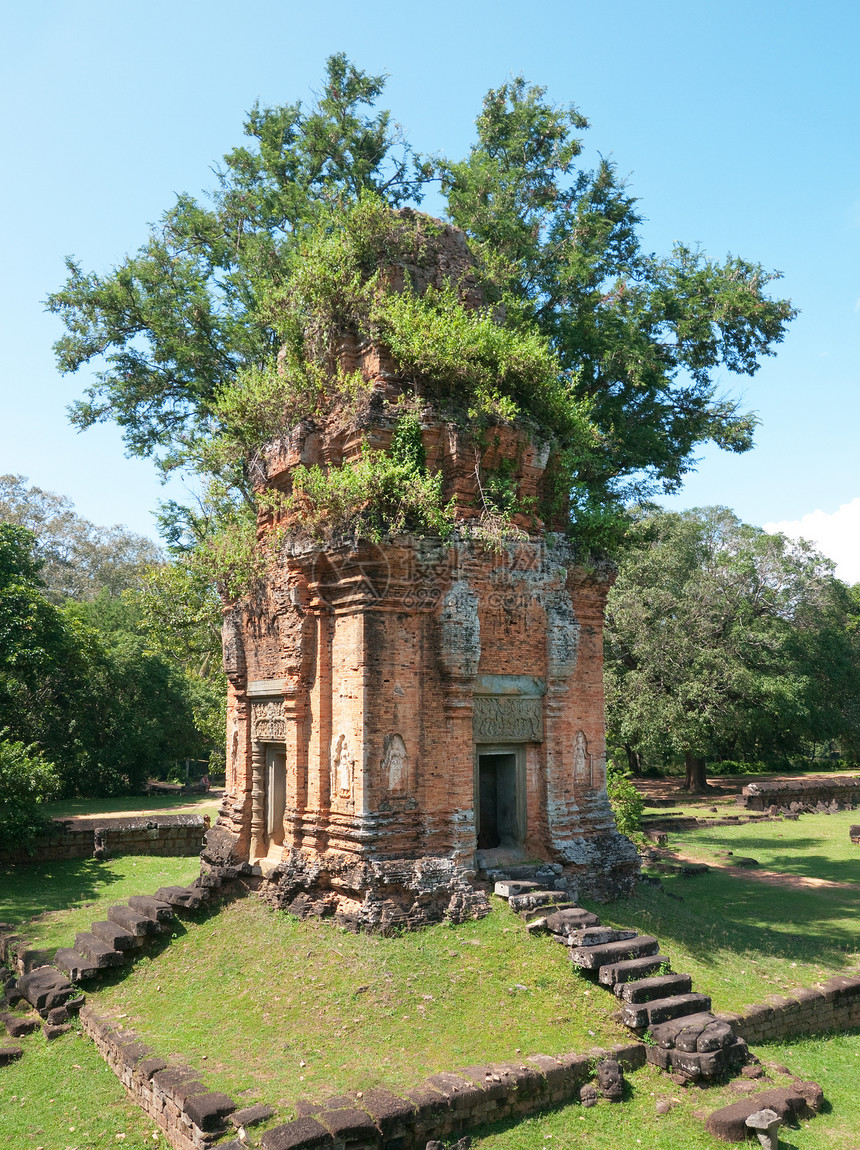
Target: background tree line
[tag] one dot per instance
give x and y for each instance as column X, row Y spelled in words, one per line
column 97, row 694
column 724, row 643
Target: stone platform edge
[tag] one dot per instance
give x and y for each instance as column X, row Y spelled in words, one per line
column 834, row 1005
column 192, row 1117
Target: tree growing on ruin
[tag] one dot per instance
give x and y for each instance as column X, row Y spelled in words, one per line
column 606, row 349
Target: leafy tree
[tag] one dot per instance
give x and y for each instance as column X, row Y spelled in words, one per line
column 26, row 782
column 611, row 350
column 640, row 336
column 78, row 559
column 104, row 709
column 723, row 641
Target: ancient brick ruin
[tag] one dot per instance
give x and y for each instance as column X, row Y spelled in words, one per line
column 407, row 715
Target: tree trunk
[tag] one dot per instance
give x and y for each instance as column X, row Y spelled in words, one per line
column 634, row 761
column 695, row 781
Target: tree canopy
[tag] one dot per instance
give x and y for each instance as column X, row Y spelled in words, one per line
column 80, row 688
column 78, row 559
column 630, row 342
column 725, row 642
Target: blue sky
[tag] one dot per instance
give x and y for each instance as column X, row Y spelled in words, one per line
column 736, row 123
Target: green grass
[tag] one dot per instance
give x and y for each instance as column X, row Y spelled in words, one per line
column 49, row 902
column 741, row 938
column 284, row 1009
column 833, row 1061
column 62, row 1096
column 144, row 804
column 816, row 846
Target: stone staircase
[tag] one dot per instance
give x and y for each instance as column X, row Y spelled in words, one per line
column 681, row 1034
column 129, row 927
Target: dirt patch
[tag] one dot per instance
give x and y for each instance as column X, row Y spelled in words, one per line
column 770, row 877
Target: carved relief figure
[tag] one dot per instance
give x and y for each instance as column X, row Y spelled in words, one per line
column 395, row 763
column 342, row 768
column 517, row 718
column 581, row 766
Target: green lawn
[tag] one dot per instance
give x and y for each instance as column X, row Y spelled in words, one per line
column 286, row 1009
column 741, row 938
column 134, row 804
column 62, row 1096
column 834, row 1062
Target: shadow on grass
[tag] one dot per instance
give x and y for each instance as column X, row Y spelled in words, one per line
column 30, row 889
column 799, row 861
column 717, row 912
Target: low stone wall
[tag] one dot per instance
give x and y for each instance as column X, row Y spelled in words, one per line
column 192, row 1117
column 835, row 1005
column 139, row 835
column 805, row 792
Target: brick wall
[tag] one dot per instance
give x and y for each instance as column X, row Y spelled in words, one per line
column 80, row 838
column 835, row 1005
column 759, row 796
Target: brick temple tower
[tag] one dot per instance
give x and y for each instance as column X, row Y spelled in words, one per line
column 407, row 714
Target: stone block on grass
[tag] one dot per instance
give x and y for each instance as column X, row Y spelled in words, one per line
column 19, row 1025
column 9, row 1054
column 301, row 1134
column 208, row 1111
column 251, row 1115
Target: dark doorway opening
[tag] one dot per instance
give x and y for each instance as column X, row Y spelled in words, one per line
column 498, row 807
column 276, row 796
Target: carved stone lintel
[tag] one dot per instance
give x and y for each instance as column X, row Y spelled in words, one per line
column 508, row 719
column 268, row 722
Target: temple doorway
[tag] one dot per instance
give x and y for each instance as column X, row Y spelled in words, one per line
column 276, row 796
column 499, row 805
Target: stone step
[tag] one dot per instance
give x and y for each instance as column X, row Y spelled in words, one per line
column 97, row 950
column 546, row 912
column 45, row 987
column 78, row 968
column 507, row 888
column 695, row 1065
column 593, row 957
column 537, row 898
column 631, row 969
column 134, row 922
column 647, row 989
column 182, row 897
column 666, row 1034
column 154, row 908
column 598, row 936
column 116, row 937
column 17, row 1025
column 563, row 920
column 639, row 1015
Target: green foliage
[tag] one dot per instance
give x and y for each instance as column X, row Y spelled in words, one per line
column 626, row 802
column 378, row 494
column 76, row 682
column 639, row 337
column 723, row 641
column 26, row 781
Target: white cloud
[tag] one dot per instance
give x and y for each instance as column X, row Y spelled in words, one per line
column 836, row 535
